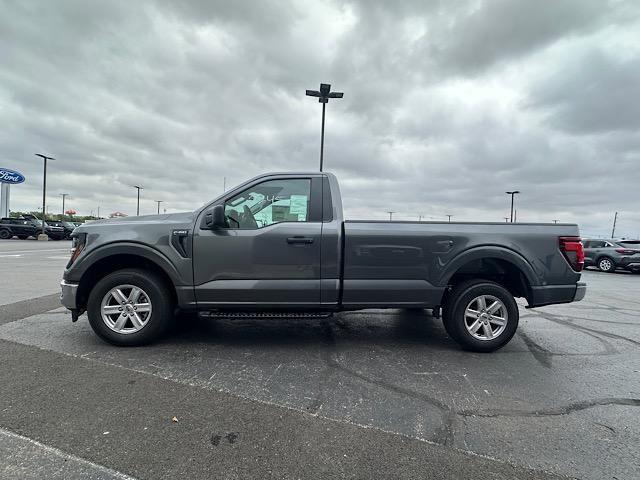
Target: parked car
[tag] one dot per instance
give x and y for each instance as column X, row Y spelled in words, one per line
column 67, row 226
column 278, row 246
column 24, row 228
column 609, row 255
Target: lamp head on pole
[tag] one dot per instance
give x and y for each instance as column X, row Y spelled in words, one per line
column 325, row 93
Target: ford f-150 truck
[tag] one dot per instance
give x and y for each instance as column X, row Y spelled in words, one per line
column 277, row 246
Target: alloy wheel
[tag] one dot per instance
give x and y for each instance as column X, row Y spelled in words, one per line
column 126, row 309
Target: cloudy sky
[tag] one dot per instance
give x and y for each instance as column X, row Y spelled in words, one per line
column 446, row 104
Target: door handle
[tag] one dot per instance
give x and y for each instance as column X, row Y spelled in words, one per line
column 299, row 240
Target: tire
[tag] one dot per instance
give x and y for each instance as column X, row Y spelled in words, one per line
column 151, row 321
column 606, row 264
column 5, row 234
column 490, row 334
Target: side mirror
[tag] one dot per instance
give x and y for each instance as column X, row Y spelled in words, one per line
column 214, row 218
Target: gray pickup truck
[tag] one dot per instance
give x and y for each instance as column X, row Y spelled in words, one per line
column 277, row 246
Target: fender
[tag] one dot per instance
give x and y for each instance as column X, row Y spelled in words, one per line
column 124, row 248
column 484, row 252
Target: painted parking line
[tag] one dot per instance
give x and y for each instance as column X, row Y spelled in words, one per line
column 7, row 252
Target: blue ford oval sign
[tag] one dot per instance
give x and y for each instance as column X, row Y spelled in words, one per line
column 10, row 176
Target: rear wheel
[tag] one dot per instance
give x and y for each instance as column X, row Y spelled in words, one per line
column 130, row 307
column 482, row 316
column 5, row 234
column 605, row 264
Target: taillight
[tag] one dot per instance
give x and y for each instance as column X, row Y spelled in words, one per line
column 625, row 251
column 571, row 248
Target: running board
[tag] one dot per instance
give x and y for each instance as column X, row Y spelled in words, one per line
column 292, row 315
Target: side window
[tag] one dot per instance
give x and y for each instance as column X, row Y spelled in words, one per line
column 597, row 244
column 269, row 202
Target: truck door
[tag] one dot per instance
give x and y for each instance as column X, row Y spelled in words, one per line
column 269, row 252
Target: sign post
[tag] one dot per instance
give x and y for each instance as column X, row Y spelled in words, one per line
column 5, row 195
column 7, row 178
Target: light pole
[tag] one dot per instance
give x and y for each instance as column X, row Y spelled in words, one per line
column 63, row 195
column 506, row 219
column 138, row 207
column 512, row 193
column 158, row 202
column 555, row 221
column 449, row 217
column 391, row 215
column 44, row 191
column 324, row 94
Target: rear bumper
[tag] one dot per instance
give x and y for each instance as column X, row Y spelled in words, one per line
column 630, row 264
column 552, row 294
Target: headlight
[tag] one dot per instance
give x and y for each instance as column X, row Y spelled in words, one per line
column 78, row 241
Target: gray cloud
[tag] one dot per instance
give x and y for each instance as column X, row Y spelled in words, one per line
column 447, row 104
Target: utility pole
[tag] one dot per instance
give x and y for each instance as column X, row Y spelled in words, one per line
column 449, row 217
column 44, row 193
column 512, row 193
column 224, row 184
column 138, row 208
column 613, row 230
column 324, row 94
column 63, row 195
column 391, row 216
column 158, row 202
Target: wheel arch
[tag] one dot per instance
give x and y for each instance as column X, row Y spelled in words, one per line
column 109, row 259
column 497, row 264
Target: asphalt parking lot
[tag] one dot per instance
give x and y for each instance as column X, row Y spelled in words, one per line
column 382, row 394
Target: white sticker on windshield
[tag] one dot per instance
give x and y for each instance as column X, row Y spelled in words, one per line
column 298, row 204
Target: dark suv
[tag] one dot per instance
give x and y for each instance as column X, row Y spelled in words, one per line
column 27, row 227
column 609, row 255
column 67, row 226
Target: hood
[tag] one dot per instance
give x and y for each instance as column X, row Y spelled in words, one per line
column 132, row 222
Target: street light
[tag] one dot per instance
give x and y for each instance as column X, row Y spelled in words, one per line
column 512, row 193
column 449, row 217
column 44, row 190
column 158, row 202
column 391, row 215
column 138, row 208
column 324, row 94
column 63, row 195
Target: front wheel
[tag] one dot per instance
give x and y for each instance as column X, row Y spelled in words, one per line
column 5, row 234
column 605, row 264
column 130, row 307
column 482, row 316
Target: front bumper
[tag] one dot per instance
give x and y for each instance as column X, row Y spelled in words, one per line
column 552, row 294
column 68, row 294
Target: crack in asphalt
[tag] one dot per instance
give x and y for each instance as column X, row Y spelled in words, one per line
column 444, row 435
column 541, row 354
column 563, row 321
column 556, row 411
